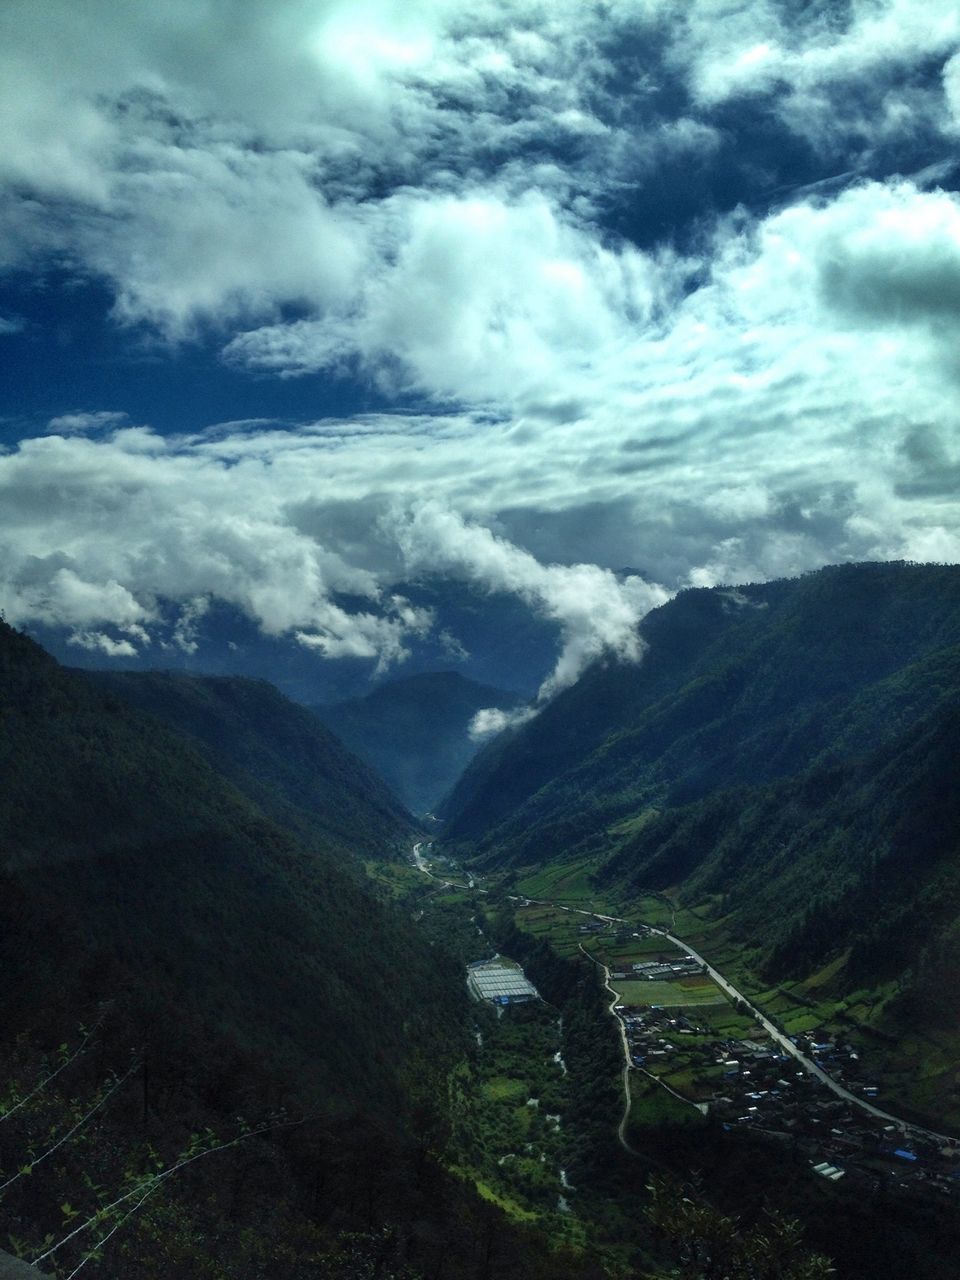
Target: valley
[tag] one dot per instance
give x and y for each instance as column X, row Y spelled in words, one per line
column 700, row 1053
column 673, row 965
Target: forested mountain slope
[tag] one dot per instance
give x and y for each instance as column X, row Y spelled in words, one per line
column 275, row 752
column 861, row 853
column 414, row 732
column 122, row 823
column 735, row 687
column 790, row 749
column 135, row 878
column 192, row 991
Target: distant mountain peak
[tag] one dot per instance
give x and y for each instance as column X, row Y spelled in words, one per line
column 414, row 730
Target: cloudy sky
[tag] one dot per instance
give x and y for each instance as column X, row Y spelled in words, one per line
column 304, row 298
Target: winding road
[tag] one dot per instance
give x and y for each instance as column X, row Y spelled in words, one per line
column 906, row 1128
column 628, row 1063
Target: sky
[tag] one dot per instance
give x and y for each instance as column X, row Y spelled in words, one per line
column 578, row 303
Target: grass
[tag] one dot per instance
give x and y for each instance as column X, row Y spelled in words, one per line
column 730, row 1024
column 650, row 945
column 503, row 1089
column 399, row 879
column 669, row 994
column 630, row 826
column 557, row 927
column 571, row 883
column 652, row 1105
column 509, row 1206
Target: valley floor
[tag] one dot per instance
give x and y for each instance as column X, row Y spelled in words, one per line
column 696, row 1052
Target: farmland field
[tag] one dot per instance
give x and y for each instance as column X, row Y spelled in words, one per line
column 672, row 994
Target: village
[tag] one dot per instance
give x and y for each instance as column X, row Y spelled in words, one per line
column 714, row 1054
column 748, row 1082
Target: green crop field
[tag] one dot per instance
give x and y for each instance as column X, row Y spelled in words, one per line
column 557, row 927
column 672, row 994
column 652, row 1105
column 568, row 882
column 500, row 1088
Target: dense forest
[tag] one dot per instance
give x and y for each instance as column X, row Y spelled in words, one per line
column 276, row 753
column 209, row 1014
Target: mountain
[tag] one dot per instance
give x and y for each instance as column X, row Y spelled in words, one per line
column 144, row 895
column 414, row 732
column 492, row 636
column 164, row 863
column 202, row 1001
column 860, row 852
column 790, row 748
column 275, row 752
column 735, row 686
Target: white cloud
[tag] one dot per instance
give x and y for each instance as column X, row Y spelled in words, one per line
column 490, row 721
column 216, row 165
column 480, row 299
column 425, row 188
column 597, row 613
column 951, row 86
column 795, row 408
column 75, row 423
column 131, row 527
column 100, row 642
column 185, row 628
column 219, row 234
column 755, row 46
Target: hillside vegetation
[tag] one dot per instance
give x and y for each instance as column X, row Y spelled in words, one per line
column 275, row 752
column 190, row 986
column 787, row 750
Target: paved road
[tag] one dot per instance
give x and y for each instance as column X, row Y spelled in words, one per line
column 814, row 1069
column 420, row 863
column 906, row 1128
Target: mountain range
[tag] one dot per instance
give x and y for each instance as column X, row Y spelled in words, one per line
column 787, row 751
column 274, row 751
column 415, row 732
column 202, row 889
column 199, row 976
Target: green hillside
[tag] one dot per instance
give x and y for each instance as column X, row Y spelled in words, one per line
column 786, row 752
column 735, row 687
column 163, row 863
column 198, row 1000
column 860, row 853
column 275, row 752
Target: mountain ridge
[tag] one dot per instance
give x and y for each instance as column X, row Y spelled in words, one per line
column 275, row 751
column 415, row 731
column 710, row 662
column 774, row 755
